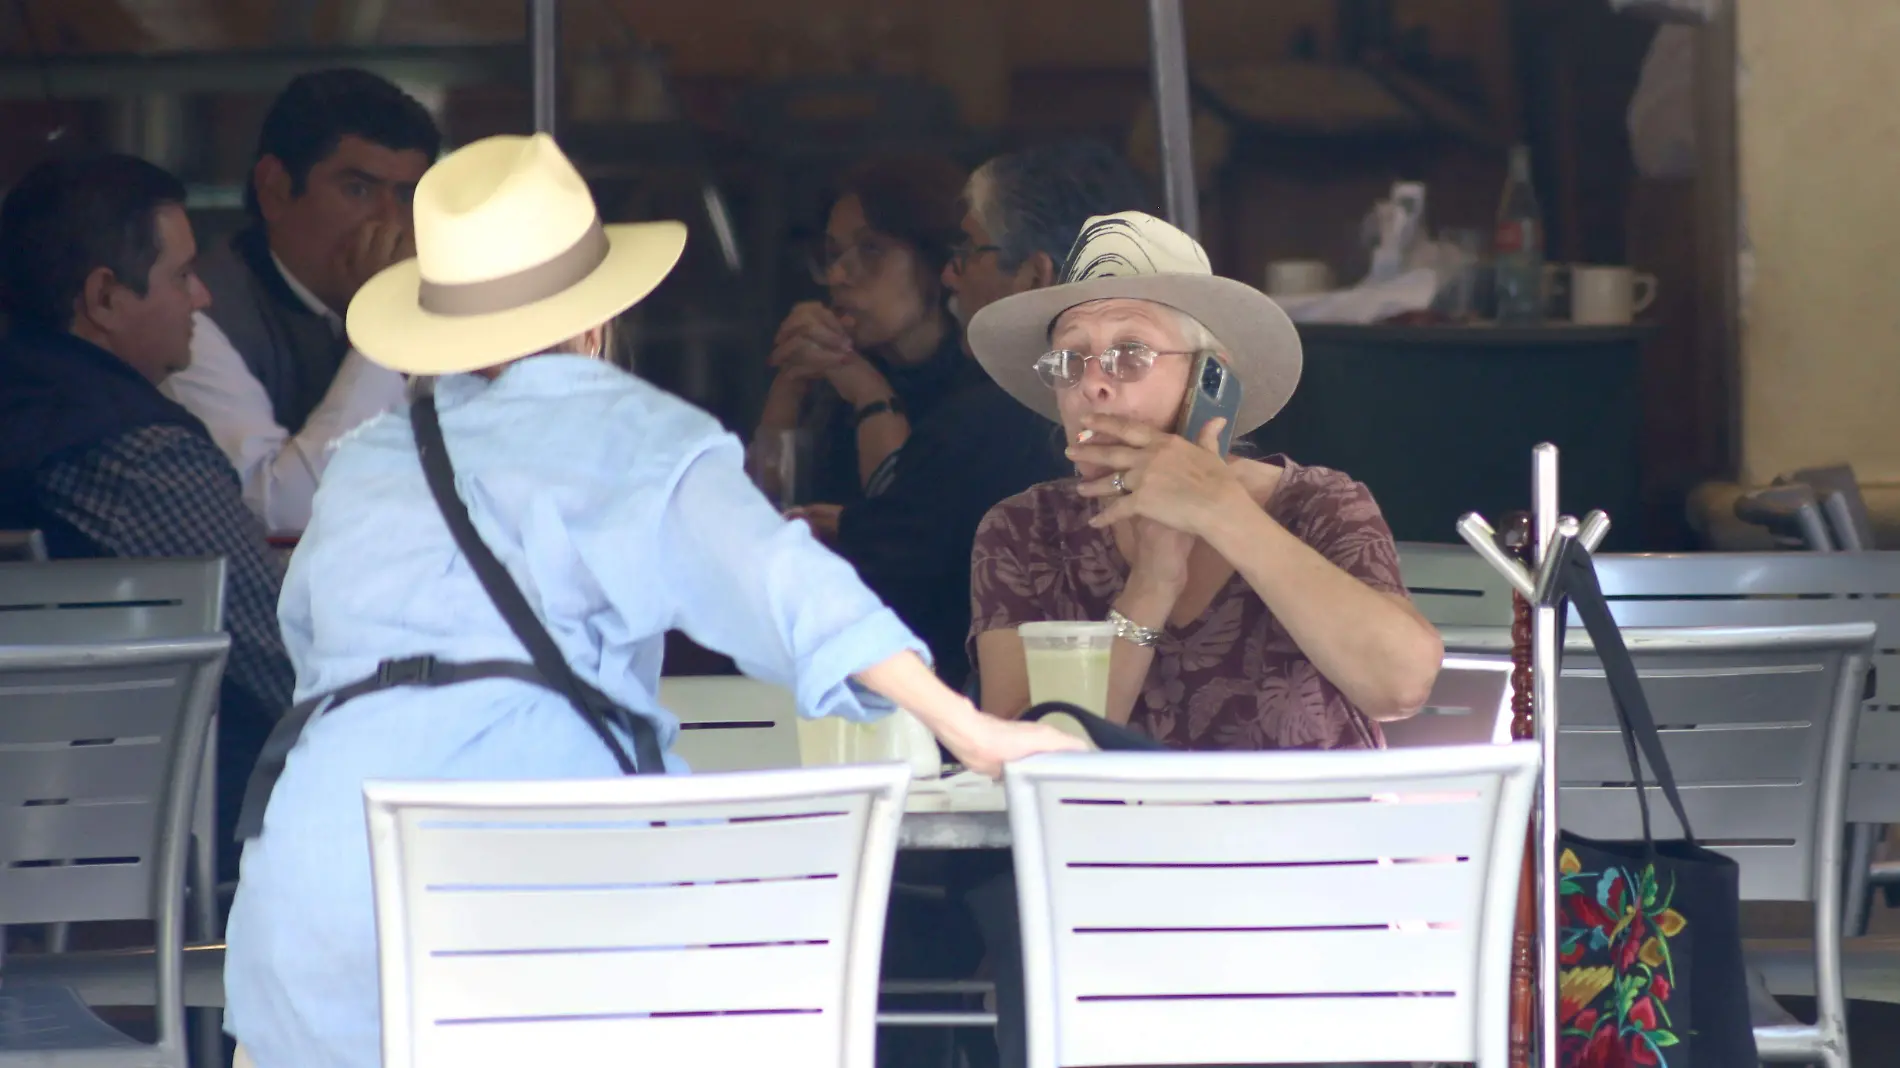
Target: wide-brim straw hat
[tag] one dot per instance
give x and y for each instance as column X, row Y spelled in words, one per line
column 511, row 259
column 1137, row 256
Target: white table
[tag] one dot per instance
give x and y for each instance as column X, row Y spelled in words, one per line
column 952, row 814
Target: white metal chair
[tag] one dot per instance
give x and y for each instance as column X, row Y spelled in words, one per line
column 1792, row 589
column 97, row 789
column 1224, row 908
column 82, row 601
column 112, row 600
column 1730, row 590
column 1758, row 723
column 1791, row 513
column 699, row 920
column 732, row 723
column 1838, row 490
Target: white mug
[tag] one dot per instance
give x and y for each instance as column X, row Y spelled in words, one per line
column 1292, row 278
column 1609, row 296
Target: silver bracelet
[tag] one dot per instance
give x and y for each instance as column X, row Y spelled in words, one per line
column 1132, row 632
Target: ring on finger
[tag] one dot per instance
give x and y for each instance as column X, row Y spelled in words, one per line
column 1120, row 486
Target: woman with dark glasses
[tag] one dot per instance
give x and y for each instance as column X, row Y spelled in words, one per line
column 912, row 442
column 856, row 371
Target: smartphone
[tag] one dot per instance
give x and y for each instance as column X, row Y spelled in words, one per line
column 1213, row 393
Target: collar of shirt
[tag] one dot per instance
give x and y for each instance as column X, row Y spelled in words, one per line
column 309, row 299
column 547, row 374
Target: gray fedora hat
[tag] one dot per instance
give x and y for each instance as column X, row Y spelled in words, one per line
column 1137, row 256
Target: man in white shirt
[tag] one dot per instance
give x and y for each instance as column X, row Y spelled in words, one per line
column 272, row 375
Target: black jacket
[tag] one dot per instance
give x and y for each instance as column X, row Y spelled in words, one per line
column 60, row 396
column 911, row 544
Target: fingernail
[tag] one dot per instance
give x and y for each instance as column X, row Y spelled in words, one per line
column 1084, row 436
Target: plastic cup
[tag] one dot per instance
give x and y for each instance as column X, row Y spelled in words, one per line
column 1068, row 661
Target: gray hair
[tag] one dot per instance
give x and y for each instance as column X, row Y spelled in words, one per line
column 1036, row 200
column 1197, row 337
column 1195, row 334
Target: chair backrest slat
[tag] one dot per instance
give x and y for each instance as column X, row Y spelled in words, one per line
column 1247, row 907
column 64, row 601
column 1453, row 586
column 687, row 920
column 732, row 723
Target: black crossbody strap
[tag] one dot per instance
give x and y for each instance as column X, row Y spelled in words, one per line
column 595, row 707
column 1580, row 586
column 424, row 671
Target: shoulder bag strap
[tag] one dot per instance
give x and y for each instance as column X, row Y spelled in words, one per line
column 595, row 707
column 1106, row 734
column 1578, row 580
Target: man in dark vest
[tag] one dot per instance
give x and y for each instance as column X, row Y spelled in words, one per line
column 97, row 278
column 272, row 375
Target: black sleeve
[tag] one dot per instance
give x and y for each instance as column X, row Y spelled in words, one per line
column 911, row 543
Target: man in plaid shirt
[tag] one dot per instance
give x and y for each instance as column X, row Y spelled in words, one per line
column 97, row 276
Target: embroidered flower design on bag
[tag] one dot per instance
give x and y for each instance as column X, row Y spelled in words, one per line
column 1617, row 973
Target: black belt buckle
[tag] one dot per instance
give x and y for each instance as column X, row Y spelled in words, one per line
column 408, row 671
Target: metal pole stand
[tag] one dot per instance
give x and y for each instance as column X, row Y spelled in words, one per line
column 1538, row 588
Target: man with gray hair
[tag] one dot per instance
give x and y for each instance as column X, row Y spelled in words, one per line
column 911, row 540
column 1022, row 212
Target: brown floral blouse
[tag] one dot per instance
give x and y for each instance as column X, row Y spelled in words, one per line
column 1232, row 679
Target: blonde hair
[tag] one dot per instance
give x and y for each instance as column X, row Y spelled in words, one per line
column 573, row 345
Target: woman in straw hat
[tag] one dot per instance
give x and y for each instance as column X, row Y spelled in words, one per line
column 1258, row 602
column 610, row 513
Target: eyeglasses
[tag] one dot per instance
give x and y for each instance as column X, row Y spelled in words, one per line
column 857, row 261
column 1129, row 361
column 961, row 252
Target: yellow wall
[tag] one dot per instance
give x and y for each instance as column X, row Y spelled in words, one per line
column 1820, row 174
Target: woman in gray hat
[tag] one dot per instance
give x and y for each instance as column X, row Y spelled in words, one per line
column 1257, row 603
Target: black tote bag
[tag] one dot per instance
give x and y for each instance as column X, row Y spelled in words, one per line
column 1650, row 938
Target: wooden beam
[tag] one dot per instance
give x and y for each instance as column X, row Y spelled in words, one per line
column 96, row 76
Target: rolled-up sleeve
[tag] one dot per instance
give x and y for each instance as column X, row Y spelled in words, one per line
column 747, row 583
